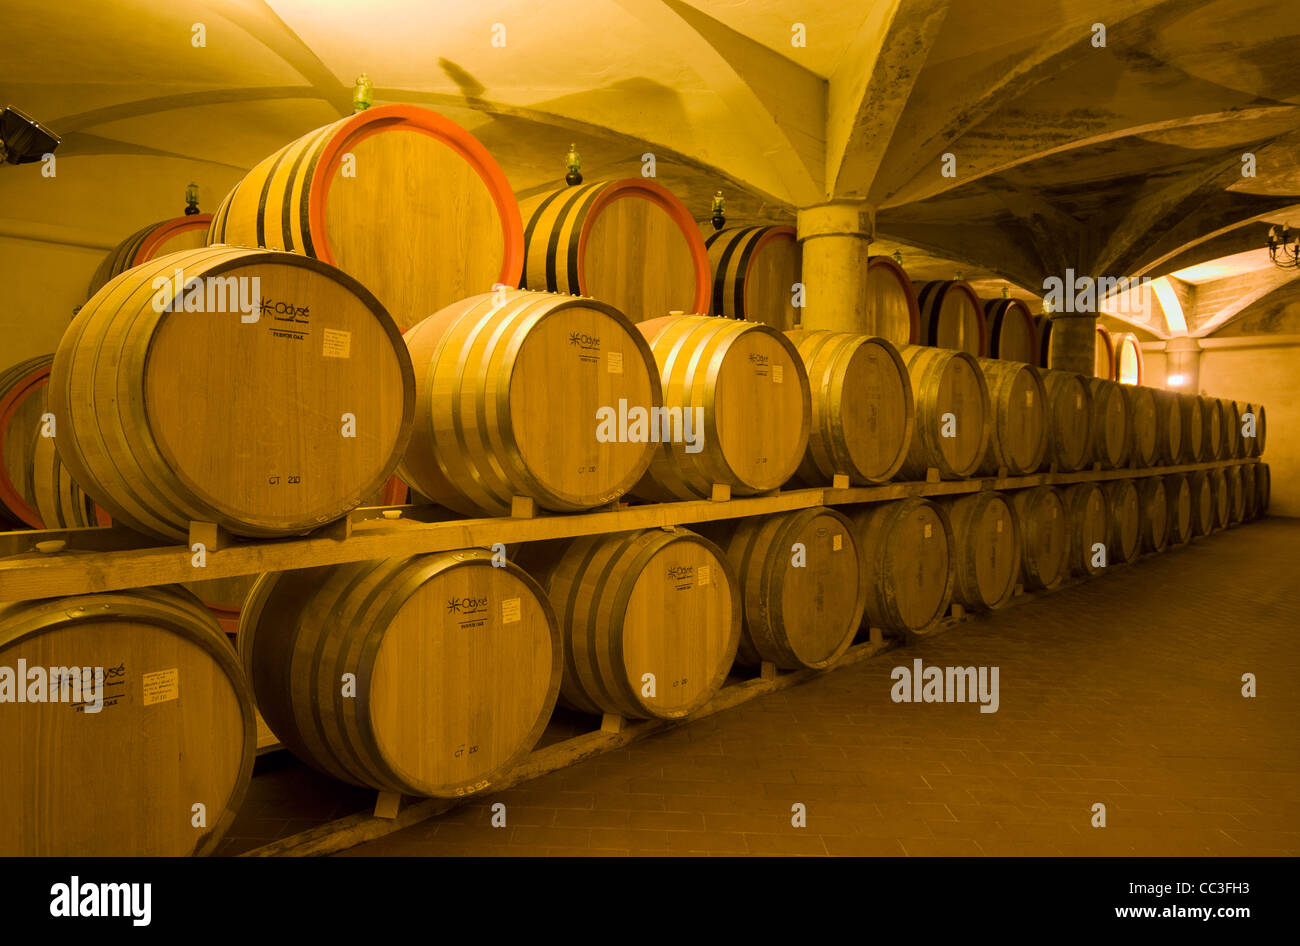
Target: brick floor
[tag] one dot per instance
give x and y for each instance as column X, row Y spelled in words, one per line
column 1124, row 691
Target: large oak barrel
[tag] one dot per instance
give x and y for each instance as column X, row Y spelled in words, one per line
column 1070, row 432
column 1249, row 504
column 908, row 555
column 1012, row 333
column 429, row 676
column 60, row 502
column 1090, row 526
column 1255, row 445
column 267, row 427
column 1044, row 536
column 1144, row 428
column 23, row 404
column 530, row 394
column 1021, row 418
column 1262, row 486
column 1044, row 326
column 630, row 243
column 651, row 619
column 1212, row 428
column 174, row 727
column 1125, row 521
column 1104, row 356
column 1193, row 428
column 891, row 309
column 1153, row 514
column 987, row 540
column 402, row 199
column 1178, row 492
column 1203, row 502
column 1110, row 433
column 954, row 415
column 1169, row 426
column 952, row 316
column 157, row 239
column 1231, row 422
column 863, row 413
column 1222, row 500
column 801, row 582
column 754, row 273
column 747, row 382
column 1236, row 497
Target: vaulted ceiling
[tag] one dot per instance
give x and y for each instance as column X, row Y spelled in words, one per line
column 1119, row 159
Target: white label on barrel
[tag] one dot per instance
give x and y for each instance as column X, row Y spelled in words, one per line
column 927, row 530
column 162, row 686
column 615, row 362
column 837, row 542
column 336, row 344
column 778, row 374
column 702, row 576
column 510, row 610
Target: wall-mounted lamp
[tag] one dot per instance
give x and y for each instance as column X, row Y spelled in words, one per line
column 1176, row 380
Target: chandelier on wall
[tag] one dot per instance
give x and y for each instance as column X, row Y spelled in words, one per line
column 1284, row 247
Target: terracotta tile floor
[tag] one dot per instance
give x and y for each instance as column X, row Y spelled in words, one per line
column 1125, row 691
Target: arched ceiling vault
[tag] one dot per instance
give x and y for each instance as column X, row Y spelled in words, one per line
column 1120, row 160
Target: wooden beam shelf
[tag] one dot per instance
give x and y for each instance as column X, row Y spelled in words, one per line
column 52, row 563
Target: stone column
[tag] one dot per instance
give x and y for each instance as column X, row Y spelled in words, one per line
column 1182, row 357
column 835, row 238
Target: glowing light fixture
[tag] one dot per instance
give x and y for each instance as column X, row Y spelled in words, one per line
column 1176, row 380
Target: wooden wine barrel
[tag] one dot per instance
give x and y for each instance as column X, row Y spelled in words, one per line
column 530, row 394
column 1110, row 433
column 908, row 555
column 1249, row 504
column 987, row 540
column 174, row 728
column 747, row 381
column 1105, row 355
column 1222, row 501
column 1212, row 428
column 1012, row 333
column 754, row 272
column 456, row 666
column 952, row 316
column 1169, row 426
column 225, row 598
column 1144, row 428
column 268, row 427
column 1203, row 502
column 1128, row 358
column 23, row 402
column 1125, row 521
column 1044, row 536
column 1021, row 418
column 801, row 583
column 1262, row 485
column 1153, row 514
column 952, row 398
column 863, row 413
column 1236, row 498
column 1178, row 493
column 891, row 308
column 660, row 602
column 157, row 239
column 1090, row 525
column 1043, row 324
column 60, row 502
column 1253, row 446
column 405, row 201
column 630, row 243
column 1070, row 432
column 1193, row 428
column 1231, row 423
